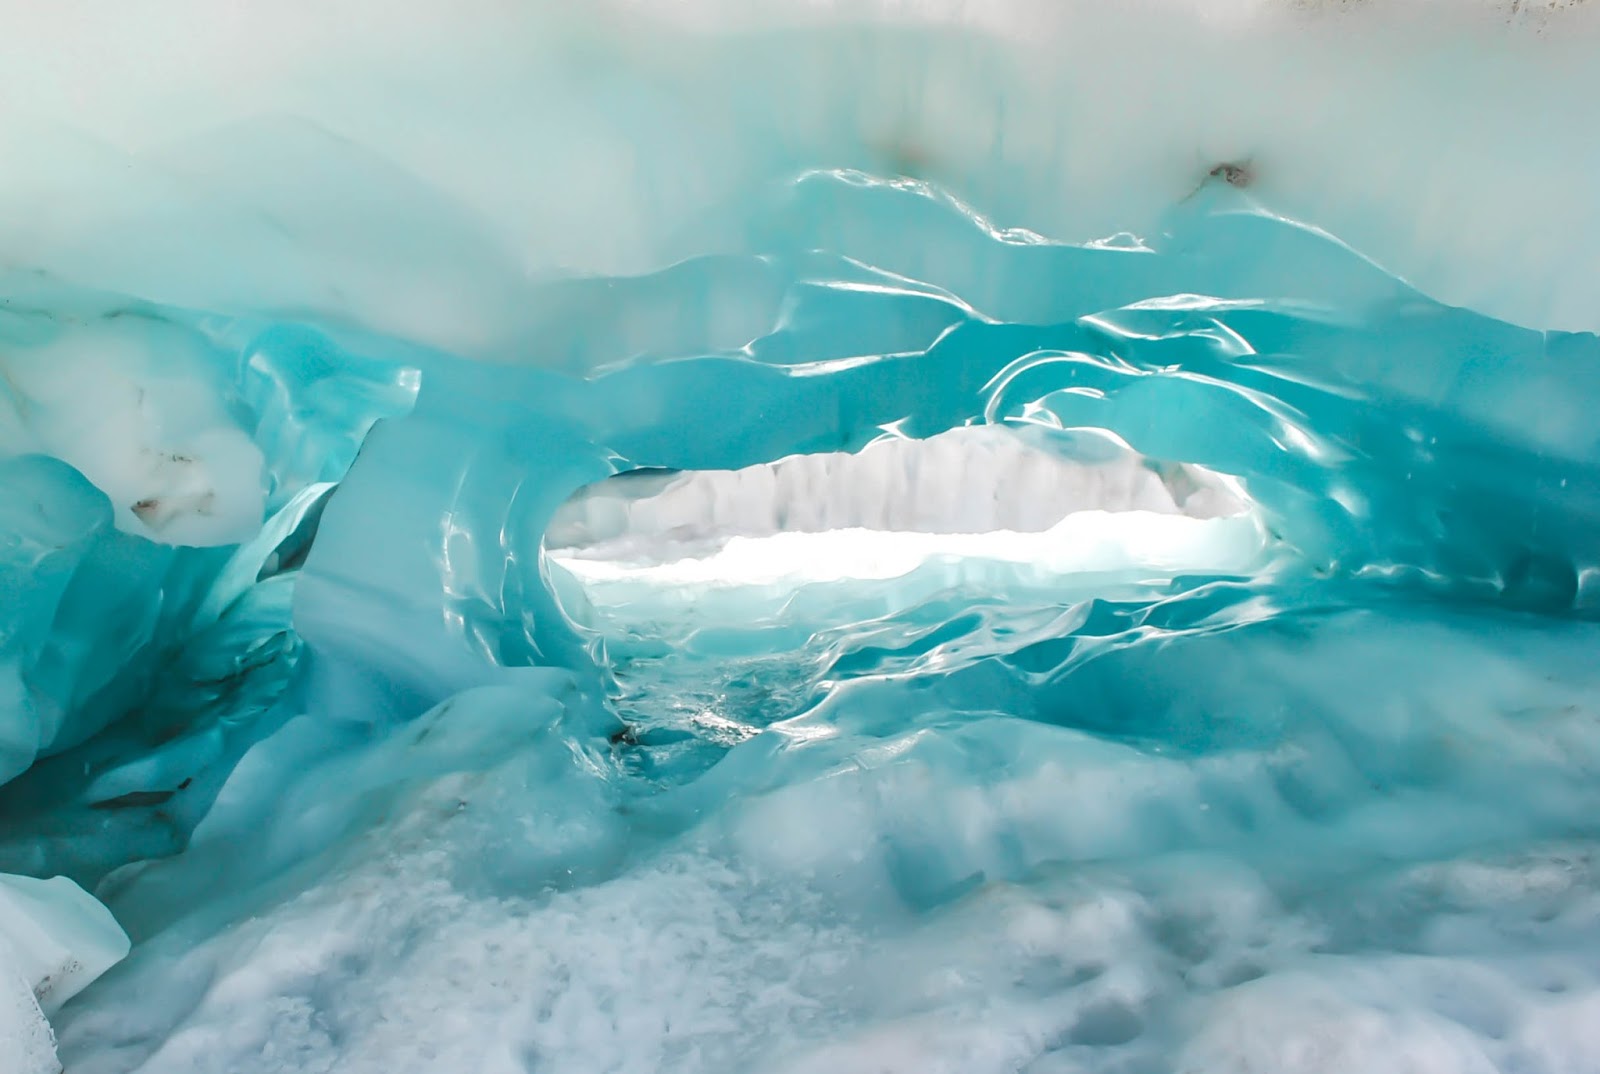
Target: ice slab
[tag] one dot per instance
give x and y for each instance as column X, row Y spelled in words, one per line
column 54, row 940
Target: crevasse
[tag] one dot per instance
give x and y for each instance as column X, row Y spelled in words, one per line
column 670, row 538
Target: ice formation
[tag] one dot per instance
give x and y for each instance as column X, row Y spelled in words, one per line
column 54, row 940
column 667, row 536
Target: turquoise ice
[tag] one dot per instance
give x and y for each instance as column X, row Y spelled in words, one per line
column 820, row 599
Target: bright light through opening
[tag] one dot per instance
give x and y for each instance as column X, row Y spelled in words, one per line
column 971, row 505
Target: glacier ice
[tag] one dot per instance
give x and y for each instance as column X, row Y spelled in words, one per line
column 54, row 940
column 57, row 938
column 1077, row 550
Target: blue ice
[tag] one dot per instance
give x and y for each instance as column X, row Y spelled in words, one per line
column 891, row 638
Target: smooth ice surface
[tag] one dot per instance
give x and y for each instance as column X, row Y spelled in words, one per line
column 1077, row 550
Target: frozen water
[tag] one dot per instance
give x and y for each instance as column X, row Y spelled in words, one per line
column 57, row 938
column 54, row 940
column 1077, row 550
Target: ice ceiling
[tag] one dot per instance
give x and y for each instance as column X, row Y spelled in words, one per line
column 799, row 537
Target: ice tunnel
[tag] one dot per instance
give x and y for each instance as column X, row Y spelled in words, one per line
column 681, row 537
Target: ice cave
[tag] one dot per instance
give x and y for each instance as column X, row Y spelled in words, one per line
column 800, row 536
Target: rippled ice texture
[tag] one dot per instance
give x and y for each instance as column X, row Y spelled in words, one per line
column 314, row 317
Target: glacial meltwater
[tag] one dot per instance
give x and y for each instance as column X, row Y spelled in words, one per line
column 681, row 537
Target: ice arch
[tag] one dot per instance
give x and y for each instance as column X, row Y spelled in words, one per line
column 493, row 452
column 426, row 577
column 1386, row 440
column 1382, row 436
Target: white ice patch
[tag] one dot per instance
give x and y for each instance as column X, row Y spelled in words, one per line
column 134, row 406
column 54, row 940
column 26, row 1042
column 58, row 936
